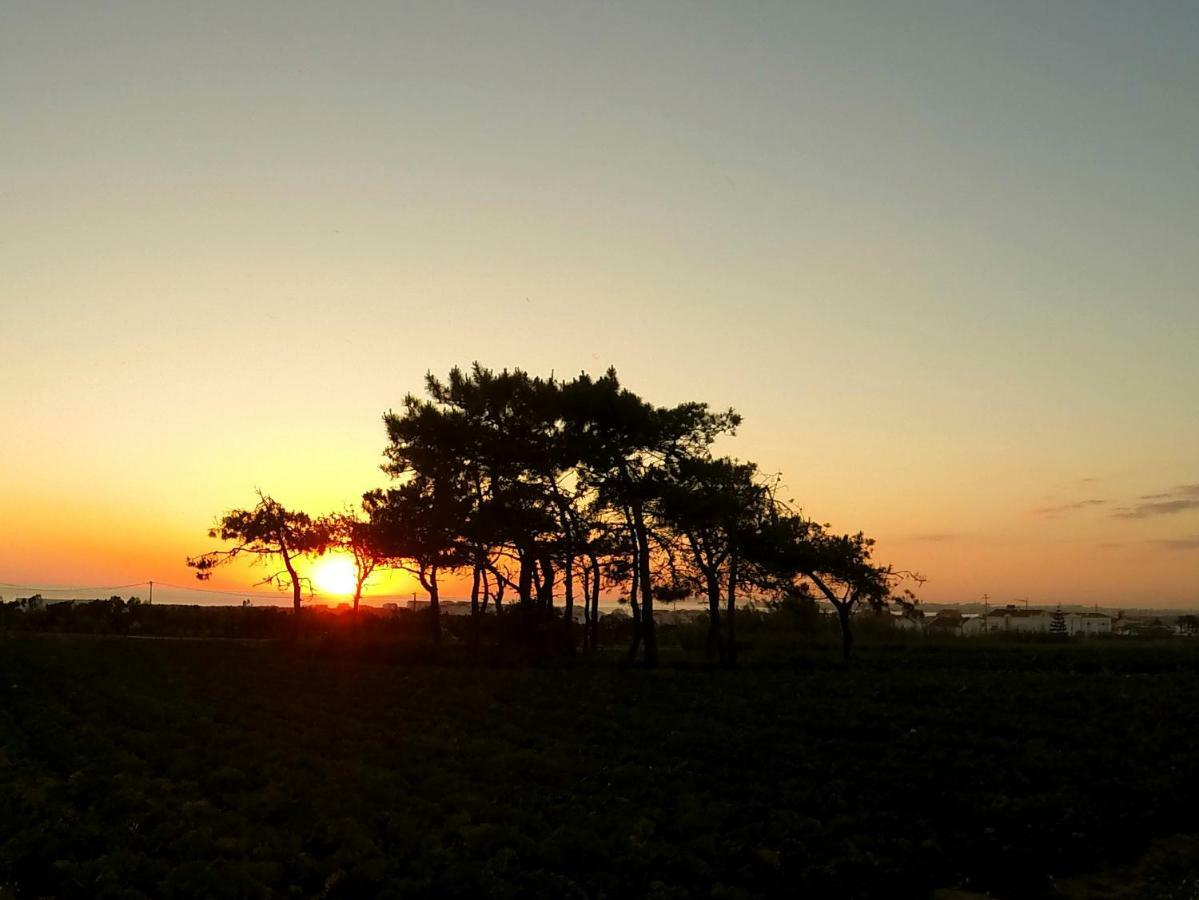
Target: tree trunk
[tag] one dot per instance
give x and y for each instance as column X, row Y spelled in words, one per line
column 568, row 587
column 296, row 592
column 359, row 583
column 474, row 610
column 595, row 592
column 568, row 600
column 715, row 648
column 525, row 580
column 636, row 606
column 647, row 593
column 731, row 654
column 429, row 582
column 586, row 608
column 545, row 585
column 846, row 632
column 843, row 607
column 500, row 586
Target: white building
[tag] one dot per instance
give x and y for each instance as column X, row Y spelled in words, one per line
column 973, row 623
column 1039, row 621
column 907, row 620
column 1019, row 619
column 952, row 622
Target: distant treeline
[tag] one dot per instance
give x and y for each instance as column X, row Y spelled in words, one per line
column 132, row 617
column 544, row 493
column 789, row 628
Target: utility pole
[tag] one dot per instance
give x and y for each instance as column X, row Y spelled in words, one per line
column 151, row 592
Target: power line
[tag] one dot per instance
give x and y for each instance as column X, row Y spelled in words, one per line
column 199, row 590
column 65, row 590
column 83, row 589
column 280, row 594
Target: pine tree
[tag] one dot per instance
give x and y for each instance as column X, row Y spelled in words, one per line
column 1057, row 622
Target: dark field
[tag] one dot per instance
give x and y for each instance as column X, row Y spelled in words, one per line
column 170, row 768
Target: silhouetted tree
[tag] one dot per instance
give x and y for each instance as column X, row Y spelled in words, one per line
column 470, row 441
column 359, row 538
column 417, row 528
column 268, row 531
column 846, row 577
column 520, row 466
column 600, row 545
column 621, row 440
column 555, row 488
column 710, row 504
column 787, row 547
column 1057, row 622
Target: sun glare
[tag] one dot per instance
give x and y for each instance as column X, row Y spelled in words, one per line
column 334, row 575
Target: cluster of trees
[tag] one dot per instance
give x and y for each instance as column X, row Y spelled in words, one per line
column 548, row 492
column 133, row 617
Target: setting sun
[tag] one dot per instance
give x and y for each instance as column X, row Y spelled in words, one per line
column 334, row 575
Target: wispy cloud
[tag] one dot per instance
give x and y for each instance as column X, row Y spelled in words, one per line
column 1166, row 503
column 1052, row 512
column 937, row 538
column 1191, row 543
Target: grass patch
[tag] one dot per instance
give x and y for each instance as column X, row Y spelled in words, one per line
column 215, row 769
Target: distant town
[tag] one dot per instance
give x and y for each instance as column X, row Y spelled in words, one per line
column 933, row 619
column 969, row 621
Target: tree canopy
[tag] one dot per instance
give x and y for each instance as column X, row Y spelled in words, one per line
column 551, row 491
column 266, row 532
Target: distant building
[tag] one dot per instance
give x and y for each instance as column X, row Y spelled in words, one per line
column 1130, row 626
column 1018, row 619
column 973, row 623
column 907, row 619
column 1038, row 621
column 952, row 622
column 1088, row 623
column 945, row 622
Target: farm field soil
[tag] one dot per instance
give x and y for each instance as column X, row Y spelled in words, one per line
column 217, row 769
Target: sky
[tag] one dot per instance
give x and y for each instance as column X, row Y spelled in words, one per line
column 942, row 257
